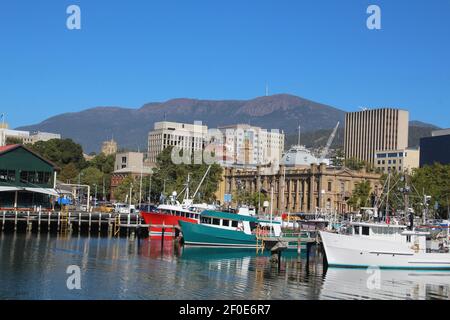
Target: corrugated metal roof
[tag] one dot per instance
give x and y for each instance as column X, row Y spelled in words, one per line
column 8, row 147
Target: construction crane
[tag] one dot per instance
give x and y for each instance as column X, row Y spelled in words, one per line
column 324, row 152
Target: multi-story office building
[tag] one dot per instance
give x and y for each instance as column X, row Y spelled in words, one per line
column 182, row 135
column 397, row 160
column 435, row 149
column 128, row 164
column 370, row 130
column 248, row 145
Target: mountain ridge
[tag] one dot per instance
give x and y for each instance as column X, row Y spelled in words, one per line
column 130, row 126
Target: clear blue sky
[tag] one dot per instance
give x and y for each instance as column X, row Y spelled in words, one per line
column 132, row 52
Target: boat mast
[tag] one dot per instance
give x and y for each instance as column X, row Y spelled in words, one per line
column 271, row 208
column 200, row 184
column 387, row 195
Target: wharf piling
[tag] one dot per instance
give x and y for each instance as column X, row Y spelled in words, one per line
column 68, row 222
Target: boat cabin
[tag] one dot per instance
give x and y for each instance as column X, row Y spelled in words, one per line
column 178, row 211
column 237, row 222
column 377, row 230
column 392, row 232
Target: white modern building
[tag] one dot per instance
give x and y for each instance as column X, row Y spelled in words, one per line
column 182, row 135
column 249, row 145
column 25, row 136
column 233, row 145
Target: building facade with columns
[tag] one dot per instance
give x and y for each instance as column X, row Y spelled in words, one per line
column 317, row 188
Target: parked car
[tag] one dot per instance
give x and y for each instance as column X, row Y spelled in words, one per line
column 124, row 208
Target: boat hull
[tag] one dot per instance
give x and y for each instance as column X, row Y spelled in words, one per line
column 159, row 219
column 359, row 252
column 207, row 236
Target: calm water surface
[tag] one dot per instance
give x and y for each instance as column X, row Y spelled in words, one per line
column 34, row 267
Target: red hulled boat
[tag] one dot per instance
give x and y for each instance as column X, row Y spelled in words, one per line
column 168, row 215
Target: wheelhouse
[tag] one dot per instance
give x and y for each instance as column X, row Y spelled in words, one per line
column 176, row 211
column 377, row 230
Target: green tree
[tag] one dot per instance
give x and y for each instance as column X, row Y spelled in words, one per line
column 68, row 173
column 338, row 158
column 397, row 182
column 103, row 163
column 61, row 152
column 169, row 177
column 122, row 191
column 243, row 197
column 354, row 164
column 93, row 177
column 361, row 195
column 434, row 181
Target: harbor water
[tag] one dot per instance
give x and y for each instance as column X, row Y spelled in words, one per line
column 37, row 266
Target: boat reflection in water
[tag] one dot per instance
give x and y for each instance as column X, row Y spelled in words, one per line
column 373, row 283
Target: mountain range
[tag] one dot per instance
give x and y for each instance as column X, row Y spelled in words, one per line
column 130, row 127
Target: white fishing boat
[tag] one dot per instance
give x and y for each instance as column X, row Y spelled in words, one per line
column 386, row 246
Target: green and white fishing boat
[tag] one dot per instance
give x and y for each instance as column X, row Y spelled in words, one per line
column 230, row 230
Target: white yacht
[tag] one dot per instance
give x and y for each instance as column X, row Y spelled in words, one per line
column 387, row 246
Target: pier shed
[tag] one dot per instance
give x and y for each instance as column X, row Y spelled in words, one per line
column 27, row 180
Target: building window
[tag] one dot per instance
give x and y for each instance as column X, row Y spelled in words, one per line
column 329, row 186
column 124, row 159
column 24, row 176
column 392, row 155
column 8, row 175
column 12, row 175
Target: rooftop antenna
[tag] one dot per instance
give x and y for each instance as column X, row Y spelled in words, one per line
column 267, row 89
column 298, row 142
column 164, row 116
